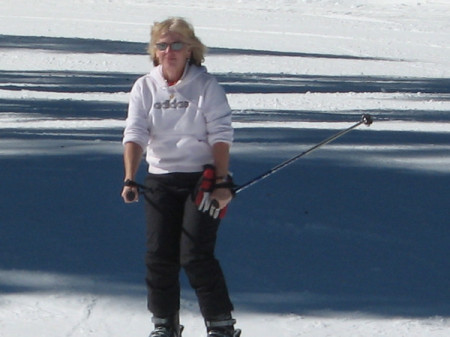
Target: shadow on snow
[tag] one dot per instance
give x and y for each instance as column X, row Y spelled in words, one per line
column 89, row 46
column 110, row 82
column 323, row 234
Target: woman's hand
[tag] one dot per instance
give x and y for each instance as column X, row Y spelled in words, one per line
column 130, row 194
column 222, row 195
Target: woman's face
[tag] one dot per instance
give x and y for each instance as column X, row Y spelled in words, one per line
column 172, row 54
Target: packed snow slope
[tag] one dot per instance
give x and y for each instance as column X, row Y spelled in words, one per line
column 351, row 240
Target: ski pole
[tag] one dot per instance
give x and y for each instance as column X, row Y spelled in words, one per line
column 365, row 119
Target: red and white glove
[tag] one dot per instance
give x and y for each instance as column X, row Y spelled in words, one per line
column 207, row 191
column 205, row 187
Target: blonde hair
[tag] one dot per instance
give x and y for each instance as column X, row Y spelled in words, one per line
column 182, row 27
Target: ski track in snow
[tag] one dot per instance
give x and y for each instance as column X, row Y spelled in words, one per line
column 357, row 244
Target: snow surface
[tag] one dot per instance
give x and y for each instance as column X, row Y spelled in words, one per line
column 352, row 240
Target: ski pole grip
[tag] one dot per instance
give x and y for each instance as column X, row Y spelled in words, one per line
column 130, row 195
column 214, row 203
column 221, row 212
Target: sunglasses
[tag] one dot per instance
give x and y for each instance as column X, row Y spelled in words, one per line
column 175, row 46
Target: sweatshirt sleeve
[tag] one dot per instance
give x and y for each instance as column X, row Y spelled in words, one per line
column 137, row 128
column 217, row 114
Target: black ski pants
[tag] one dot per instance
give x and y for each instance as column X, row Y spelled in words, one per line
column 180, row 236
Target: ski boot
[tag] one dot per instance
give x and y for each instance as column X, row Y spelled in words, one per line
column 222, row 328
column 167, row 327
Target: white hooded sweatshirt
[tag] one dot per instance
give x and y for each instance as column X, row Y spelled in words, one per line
column 177, row 125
